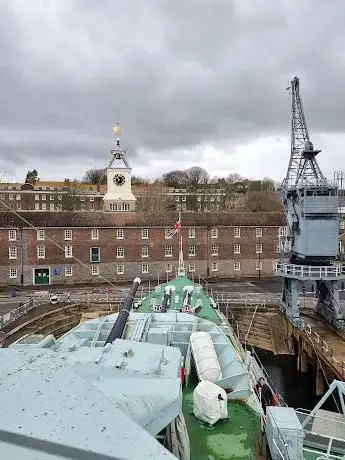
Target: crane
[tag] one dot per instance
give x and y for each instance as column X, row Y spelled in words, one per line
column 309, row 248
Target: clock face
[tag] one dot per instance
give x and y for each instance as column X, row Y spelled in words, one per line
column 119, row 179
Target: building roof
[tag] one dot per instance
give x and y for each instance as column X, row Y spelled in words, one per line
column 132, row 219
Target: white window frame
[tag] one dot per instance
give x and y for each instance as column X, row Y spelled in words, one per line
column 120, row 234
column 214, row 232
column 214, row 267
column 258, row 232
column 191, row 250
column 68, row 251
column 144, row 251
column 12, row 235
column 167, row 234
column 95, row 270
column 259, row 265
column 120, row 269
column 144, row 233
column 237, row 232
column 40, row 235
column 237, row 248
column 237, row 266
column 144, row 268
column 258, row 248
column 44, row 206
column 94, row 234
column 168, row 267
column 282, row 231
column 214, row 250
column 13, row 273
column 12, row 252
column 41, row 251
column 69, row 270
column 120, row 252
column 168, row 250
column 191, row 267
column 68, row 234
column 191, row 233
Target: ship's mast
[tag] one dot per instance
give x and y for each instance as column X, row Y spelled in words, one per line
column 181, row 269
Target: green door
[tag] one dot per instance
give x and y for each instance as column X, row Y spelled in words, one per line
column 41, row 276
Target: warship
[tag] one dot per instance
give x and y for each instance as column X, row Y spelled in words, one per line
column 165, row 378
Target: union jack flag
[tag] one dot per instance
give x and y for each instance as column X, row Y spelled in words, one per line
column 176, row 227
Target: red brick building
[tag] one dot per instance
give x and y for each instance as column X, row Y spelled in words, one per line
column 58, row 248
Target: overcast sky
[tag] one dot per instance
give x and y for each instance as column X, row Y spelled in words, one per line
column 192, row 82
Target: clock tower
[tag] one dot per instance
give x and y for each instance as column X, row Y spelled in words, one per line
column 119, row 196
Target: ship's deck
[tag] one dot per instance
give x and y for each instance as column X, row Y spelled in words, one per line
column 237, row 438
column 205, row 311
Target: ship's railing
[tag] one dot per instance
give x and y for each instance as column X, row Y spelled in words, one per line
column 309, row 271
column 261, row 372
column 322, row 433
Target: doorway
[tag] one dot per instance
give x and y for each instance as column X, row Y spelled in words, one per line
column 41, row 276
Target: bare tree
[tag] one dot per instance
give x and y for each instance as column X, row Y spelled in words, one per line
column 175, row 178
column 95, row 176
column 197, row 176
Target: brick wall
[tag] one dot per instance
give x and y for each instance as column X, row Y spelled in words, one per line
column 215, row 254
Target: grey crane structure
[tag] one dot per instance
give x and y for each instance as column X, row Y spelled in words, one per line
column 309, row 251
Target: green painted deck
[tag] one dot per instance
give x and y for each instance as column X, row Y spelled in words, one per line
column 206, row 311
column 236, row 439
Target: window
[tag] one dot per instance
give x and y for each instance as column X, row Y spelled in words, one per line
column 12, row 252
column 191, row 250
column 144, row 251
column 44, row 206
column 168, row 233
column 144, row 268
column 214, row 250
column 68, row 271
column 119, row 234
column 13, row 273
column 191, row 267
column 95, row 255
column 184, row 198
column 258, row 248
column 19, row 206
column 41, row 252
column 237, row 249
column 168, row 251
column 37, row 197
column 276, row 246
column 120, row 269
column 12, row 235
column 120, row 252
column 51, row 197
column 237, row 232
column 214, row 232
column 11, row 196
column 184, row 207
column 258, row 265
column 168, row 268
column 198, row 198
column 282, row 231
column 40, row 235
column 37, row 206
column 214, row 267
column 68, row 234
column 191, row 233
column 177, row 198
column 52, row 207
column 94, row 234
column 43, row 197
column 258, row 232
column 95, row 269
column 68, row 251
column 237, row 266
column 144, row 233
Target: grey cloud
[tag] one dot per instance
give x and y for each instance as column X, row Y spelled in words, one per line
column 175, row 74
